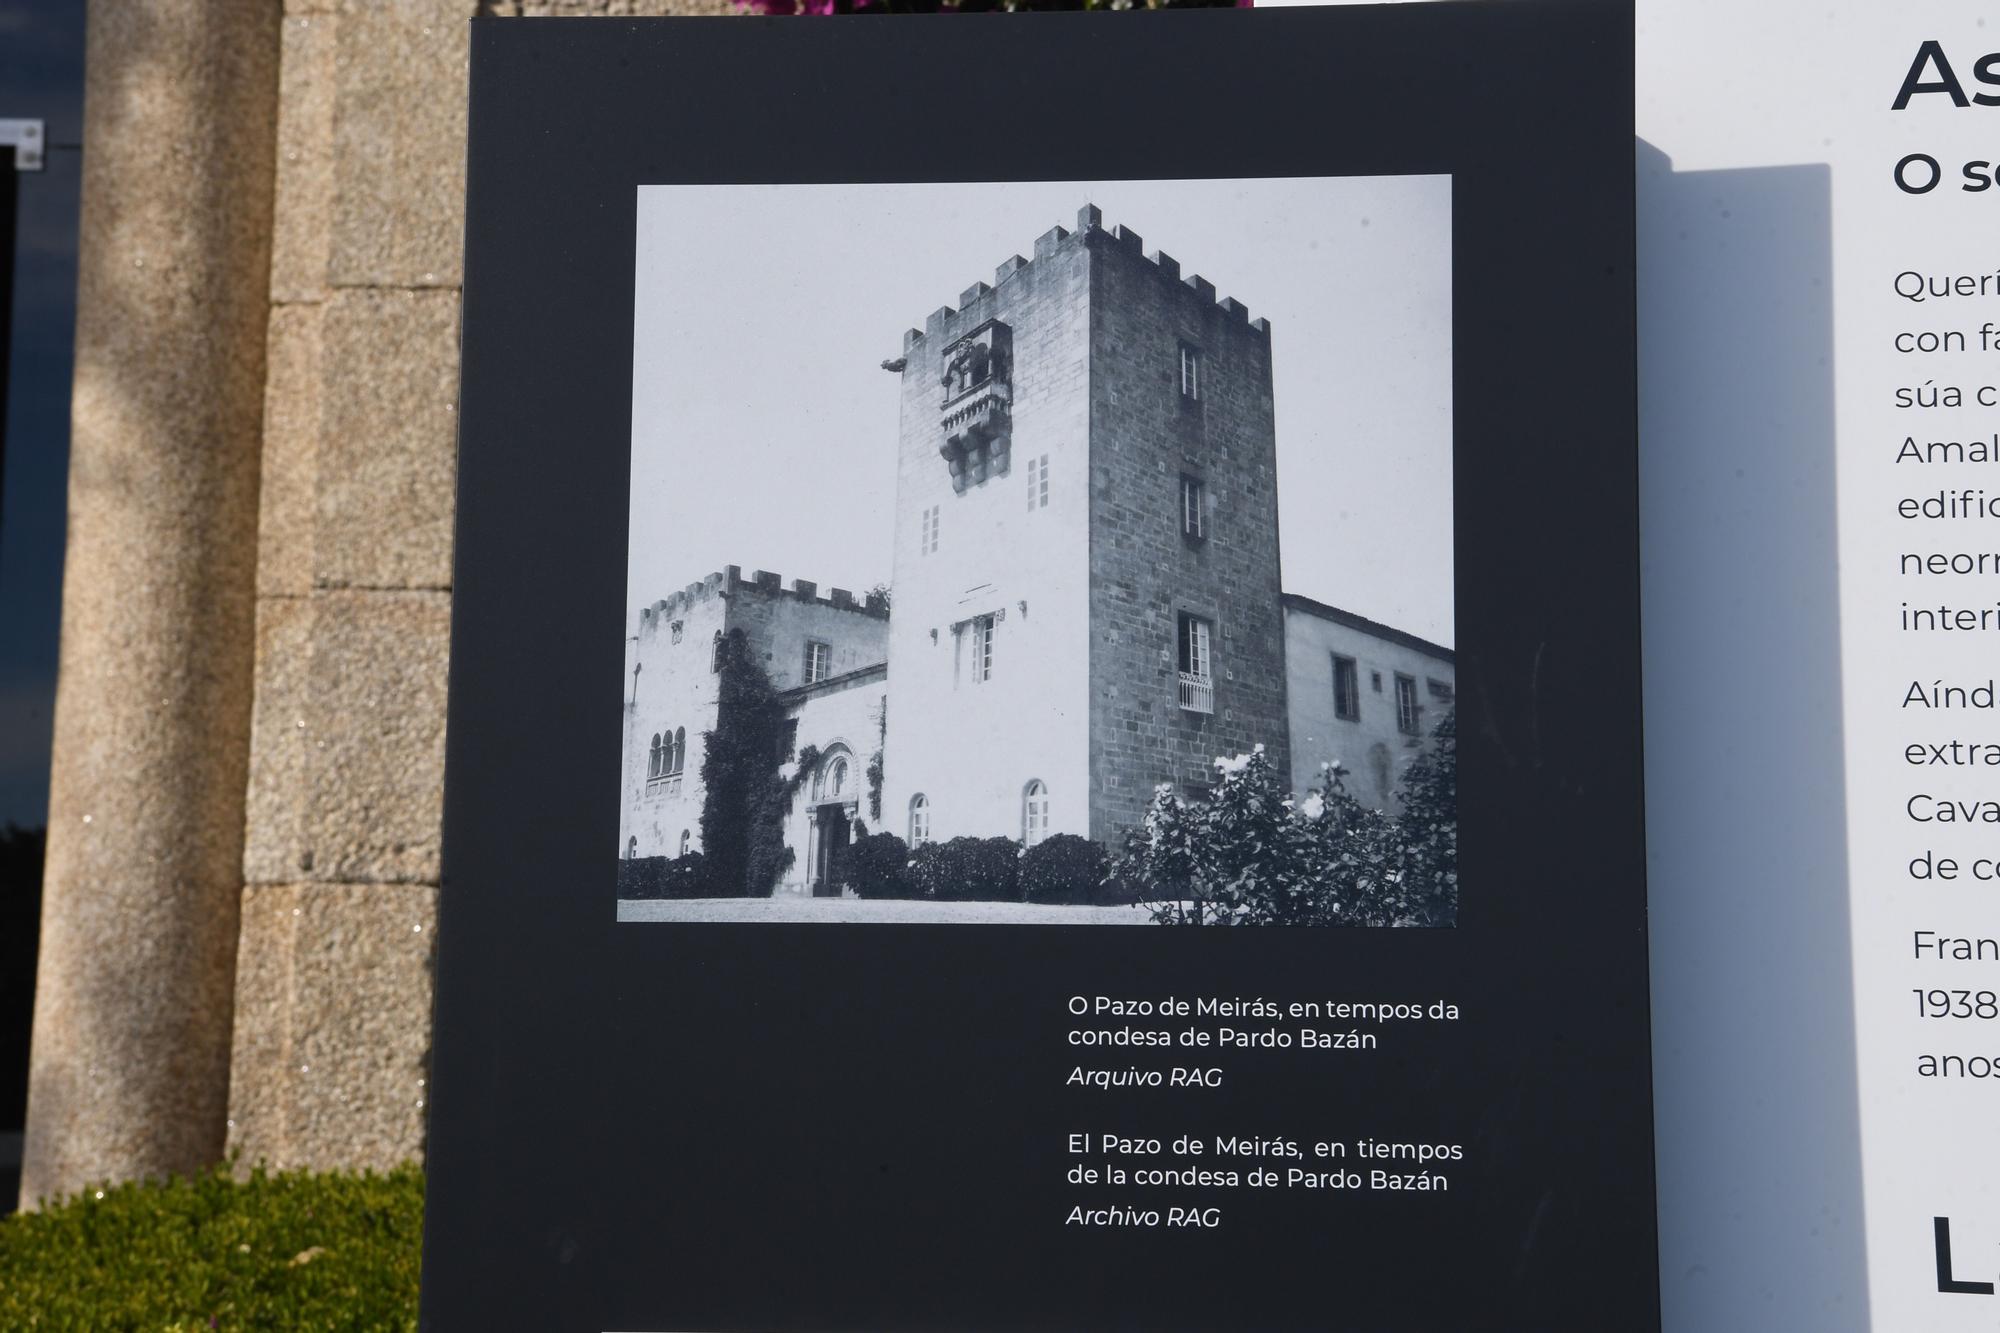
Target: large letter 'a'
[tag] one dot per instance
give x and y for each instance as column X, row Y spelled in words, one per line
column 1912, row 85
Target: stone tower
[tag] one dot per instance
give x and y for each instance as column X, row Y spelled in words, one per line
column 1086, row 548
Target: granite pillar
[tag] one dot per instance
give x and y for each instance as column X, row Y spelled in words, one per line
column 129, row 1070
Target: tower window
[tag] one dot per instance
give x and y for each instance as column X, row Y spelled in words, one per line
column 1197, row 692
column 1346, row 689
column 675, row 631
column 1034, row 813
column 920, row 819
column 982, row 649
column 685, row 839
column 1194, row 503
column 819, row 661
column 665, row 759
column 1406, row 705
column 715, row 653
column 1190, row 373
column 927, row 535
column 1038, row 483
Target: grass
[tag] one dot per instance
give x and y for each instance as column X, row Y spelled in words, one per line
column 293, row 1250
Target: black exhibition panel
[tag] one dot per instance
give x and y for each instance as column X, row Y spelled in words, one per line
column 729, row 1127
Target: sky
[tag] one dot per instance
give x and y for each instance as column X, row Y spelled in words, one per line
column 41, row 75
column 764, row 431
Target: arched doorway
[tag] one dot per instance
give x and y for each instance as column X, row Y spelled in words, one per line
column 830, row 820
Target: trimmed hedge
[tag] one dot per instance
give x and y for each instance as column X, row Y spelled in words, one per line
column 686, row 876
column 295, row 1250
column 1064, row 868
column 968, row 870
column 878, row 866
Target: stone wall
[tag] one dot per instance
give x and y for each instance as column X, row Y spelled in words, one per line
column 777, row 620
column 674, row 690
column 353, row 587
column 1145, row 572
column 340, row 863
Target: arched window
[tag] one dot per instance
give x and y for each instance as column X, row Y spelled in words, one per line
column 653, row 758
column 920, row 819
column 834, row 776
column 1034, row 813
column 680, row 748
column 684, row 842
column 631, row 849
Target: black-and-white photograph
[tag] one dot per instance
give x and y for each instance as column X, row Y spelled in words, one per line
column 1048, row 553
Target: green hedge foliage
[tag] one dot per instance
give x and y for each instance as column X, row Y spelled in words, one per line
column 1064, row 868
column 298, row 1251
column 968, row 870
column 878, row 866
column 685, row 876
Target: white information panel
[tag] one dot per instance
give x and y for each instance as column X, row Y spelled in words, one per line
column 1820, row 412
column 1819, row 327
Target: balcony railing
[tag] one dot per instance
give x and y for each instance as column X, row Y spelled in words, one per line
column 1197, row 693
column 976, row 416
column 670, row 785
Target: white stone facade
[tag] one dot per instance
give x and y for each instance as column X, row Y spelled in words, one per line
column 1375, row 721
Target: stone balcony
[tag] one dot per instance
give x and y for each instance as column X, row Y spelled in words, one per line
column 976, row 426
column 975, row 418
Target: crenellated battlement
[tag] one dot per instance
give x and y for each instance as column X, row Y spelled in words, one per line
column 1090, row 230
column 730, row 581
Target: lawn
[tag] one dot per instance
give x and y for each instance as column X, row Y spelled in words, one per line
column 876, row 911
